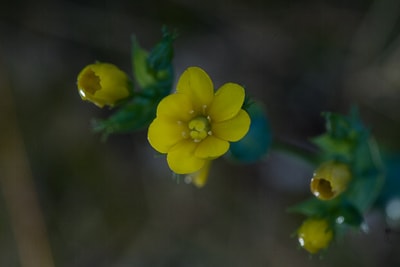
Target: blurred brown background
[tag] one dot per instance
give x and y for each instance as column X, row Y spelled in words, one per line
column 69, row 199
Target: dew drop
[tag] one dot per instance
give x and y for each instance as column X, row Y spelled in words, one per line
column 82, row 93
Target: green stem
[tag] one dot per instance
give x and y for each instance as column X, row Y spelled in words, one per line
column 301, row 150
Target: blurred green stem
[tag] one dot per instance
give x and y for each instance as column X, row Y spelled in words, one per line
column 306, row 152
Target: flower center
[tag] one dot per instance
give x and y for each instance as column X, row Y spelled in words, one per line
column 199, row 128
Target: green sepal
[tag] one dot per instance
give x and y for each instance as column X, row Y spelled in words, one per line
column 153, row 70
column 332, row 210
column 161, row 55
column 347, row 213
column 311, row 207
column 141, row 72
column 364, row 190
column 134, row 115
column 248, row 103
column 343, row 135
column 337, row 149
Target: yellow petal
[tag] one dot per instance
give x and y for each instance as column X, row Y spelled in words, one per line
column 211, row 148
column 195, row 83
column 176, row 107
column 113, row 81
column 233, row 129
column 163, row 134
column 181, row 158
column 228, row 100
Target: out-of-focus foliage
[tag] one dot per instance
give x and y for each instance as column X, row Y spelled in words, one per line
column 348, row 142
column 254, row 146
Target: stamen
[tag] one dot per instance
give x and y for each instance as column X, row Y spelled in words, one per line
column 199, row 128
column 194, row 134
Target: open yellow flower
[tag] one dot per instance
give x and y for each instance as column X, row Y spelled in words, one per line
column 103, row 84
column 314, row 234
column 195, row 125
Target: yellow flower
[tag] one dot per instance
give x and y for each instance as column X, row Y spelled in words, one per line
column 330, row 179
column 194, row 125
column 103, row 84
column 314, row 235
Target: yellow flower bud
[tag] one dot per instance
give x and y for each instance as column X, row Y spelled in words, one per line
column 314, row 235
column 103, row 84
column 330, row 179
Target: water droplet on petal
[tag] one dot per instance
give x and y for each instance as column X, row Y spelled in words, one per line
column 82, row 93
